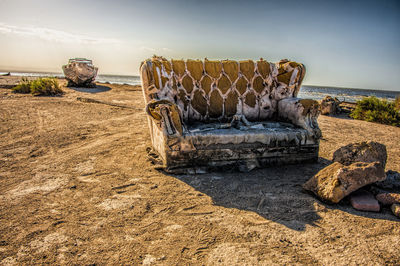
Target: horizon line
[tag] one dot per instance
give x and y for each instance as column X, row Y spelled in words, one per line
column 125, row 75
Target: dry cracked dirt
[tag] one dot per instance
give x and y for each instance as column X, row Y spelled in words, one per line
column 76, row 187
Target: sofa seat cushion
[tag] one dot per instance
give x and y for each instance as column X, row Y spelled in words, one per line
column 271, row 134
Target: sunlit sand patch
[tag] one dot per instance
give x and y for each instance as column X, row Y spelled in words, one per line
column 130, row 236
column 173, row 227
column 231, row 254
column 119, row 202
column 40, row 183
column 149, row 260
column 119, row 101
column 9, row 261
column 87, row 179
column 85, row 167
column 44, row 244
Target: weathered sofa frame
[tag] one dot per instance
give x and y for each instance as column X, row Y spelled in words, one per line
column 226, row 114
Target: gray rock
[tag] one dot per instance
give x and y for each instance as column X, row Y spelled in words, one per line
column 391, row 183
column 361, row 152
column 329, row 106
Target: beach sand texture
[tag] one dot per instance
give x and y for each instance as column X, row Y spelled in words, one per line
column 76, row 187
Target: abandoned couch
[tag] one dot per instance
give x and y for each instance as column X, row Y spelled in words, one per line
column 206, row 115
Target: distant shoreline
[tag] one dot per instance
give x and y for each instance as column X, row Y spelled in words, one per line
column 60, row 75
column 307, row 91
column 57, row 74
column 346, row 88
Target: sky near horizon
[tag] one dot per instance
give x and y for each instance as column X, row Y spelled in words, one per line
column 352, row 44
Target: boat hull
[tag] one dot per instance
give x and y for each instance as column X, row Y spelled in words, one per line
column 80, row 74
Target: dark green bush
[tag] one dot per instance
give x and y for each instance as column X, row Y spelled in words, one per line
column 373, row 109
column 40, row 86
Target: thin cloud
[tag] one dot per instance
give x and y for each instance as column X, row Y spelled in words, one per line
column 53, row 35
column 148, row 49
column 151, row 49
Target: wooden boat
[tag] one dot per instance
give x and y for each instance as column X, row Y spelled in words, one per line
column 80, row 72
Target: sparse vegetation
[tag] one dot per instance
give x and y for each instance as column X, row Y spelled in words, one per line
column 373, row 109
column 397, row 103
column 23, row 87
column 38, row 87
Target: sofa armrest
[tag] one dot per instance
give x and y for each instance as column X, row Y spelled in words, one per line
column 290, row 76
column 167, row 116
column 301, row 112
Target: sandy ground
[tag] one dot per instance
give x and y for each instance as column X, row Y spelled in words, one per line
column 76, row 187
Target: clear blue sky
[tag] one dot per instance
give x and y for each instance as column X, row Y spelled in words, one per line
column 342, row 43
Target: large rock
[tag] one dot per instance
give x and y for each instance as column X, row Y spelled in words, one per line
column 329, row 106
column 361, row 152
column 336, row 181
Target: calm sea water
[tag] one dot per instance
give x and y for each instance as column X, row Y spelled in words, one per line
column 344, row 94
column 311, row 92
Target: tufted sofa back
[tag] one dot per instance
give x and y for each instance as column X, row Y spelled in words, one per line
column 217, row 90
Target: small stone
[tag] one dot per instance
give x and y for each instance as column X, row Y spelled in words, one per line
column 361, row 152
column 364, row 201
column 396, row 209
column 388, row 198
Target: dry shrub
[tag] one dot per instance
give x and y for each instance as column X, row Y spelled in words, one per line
column 38, row 87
